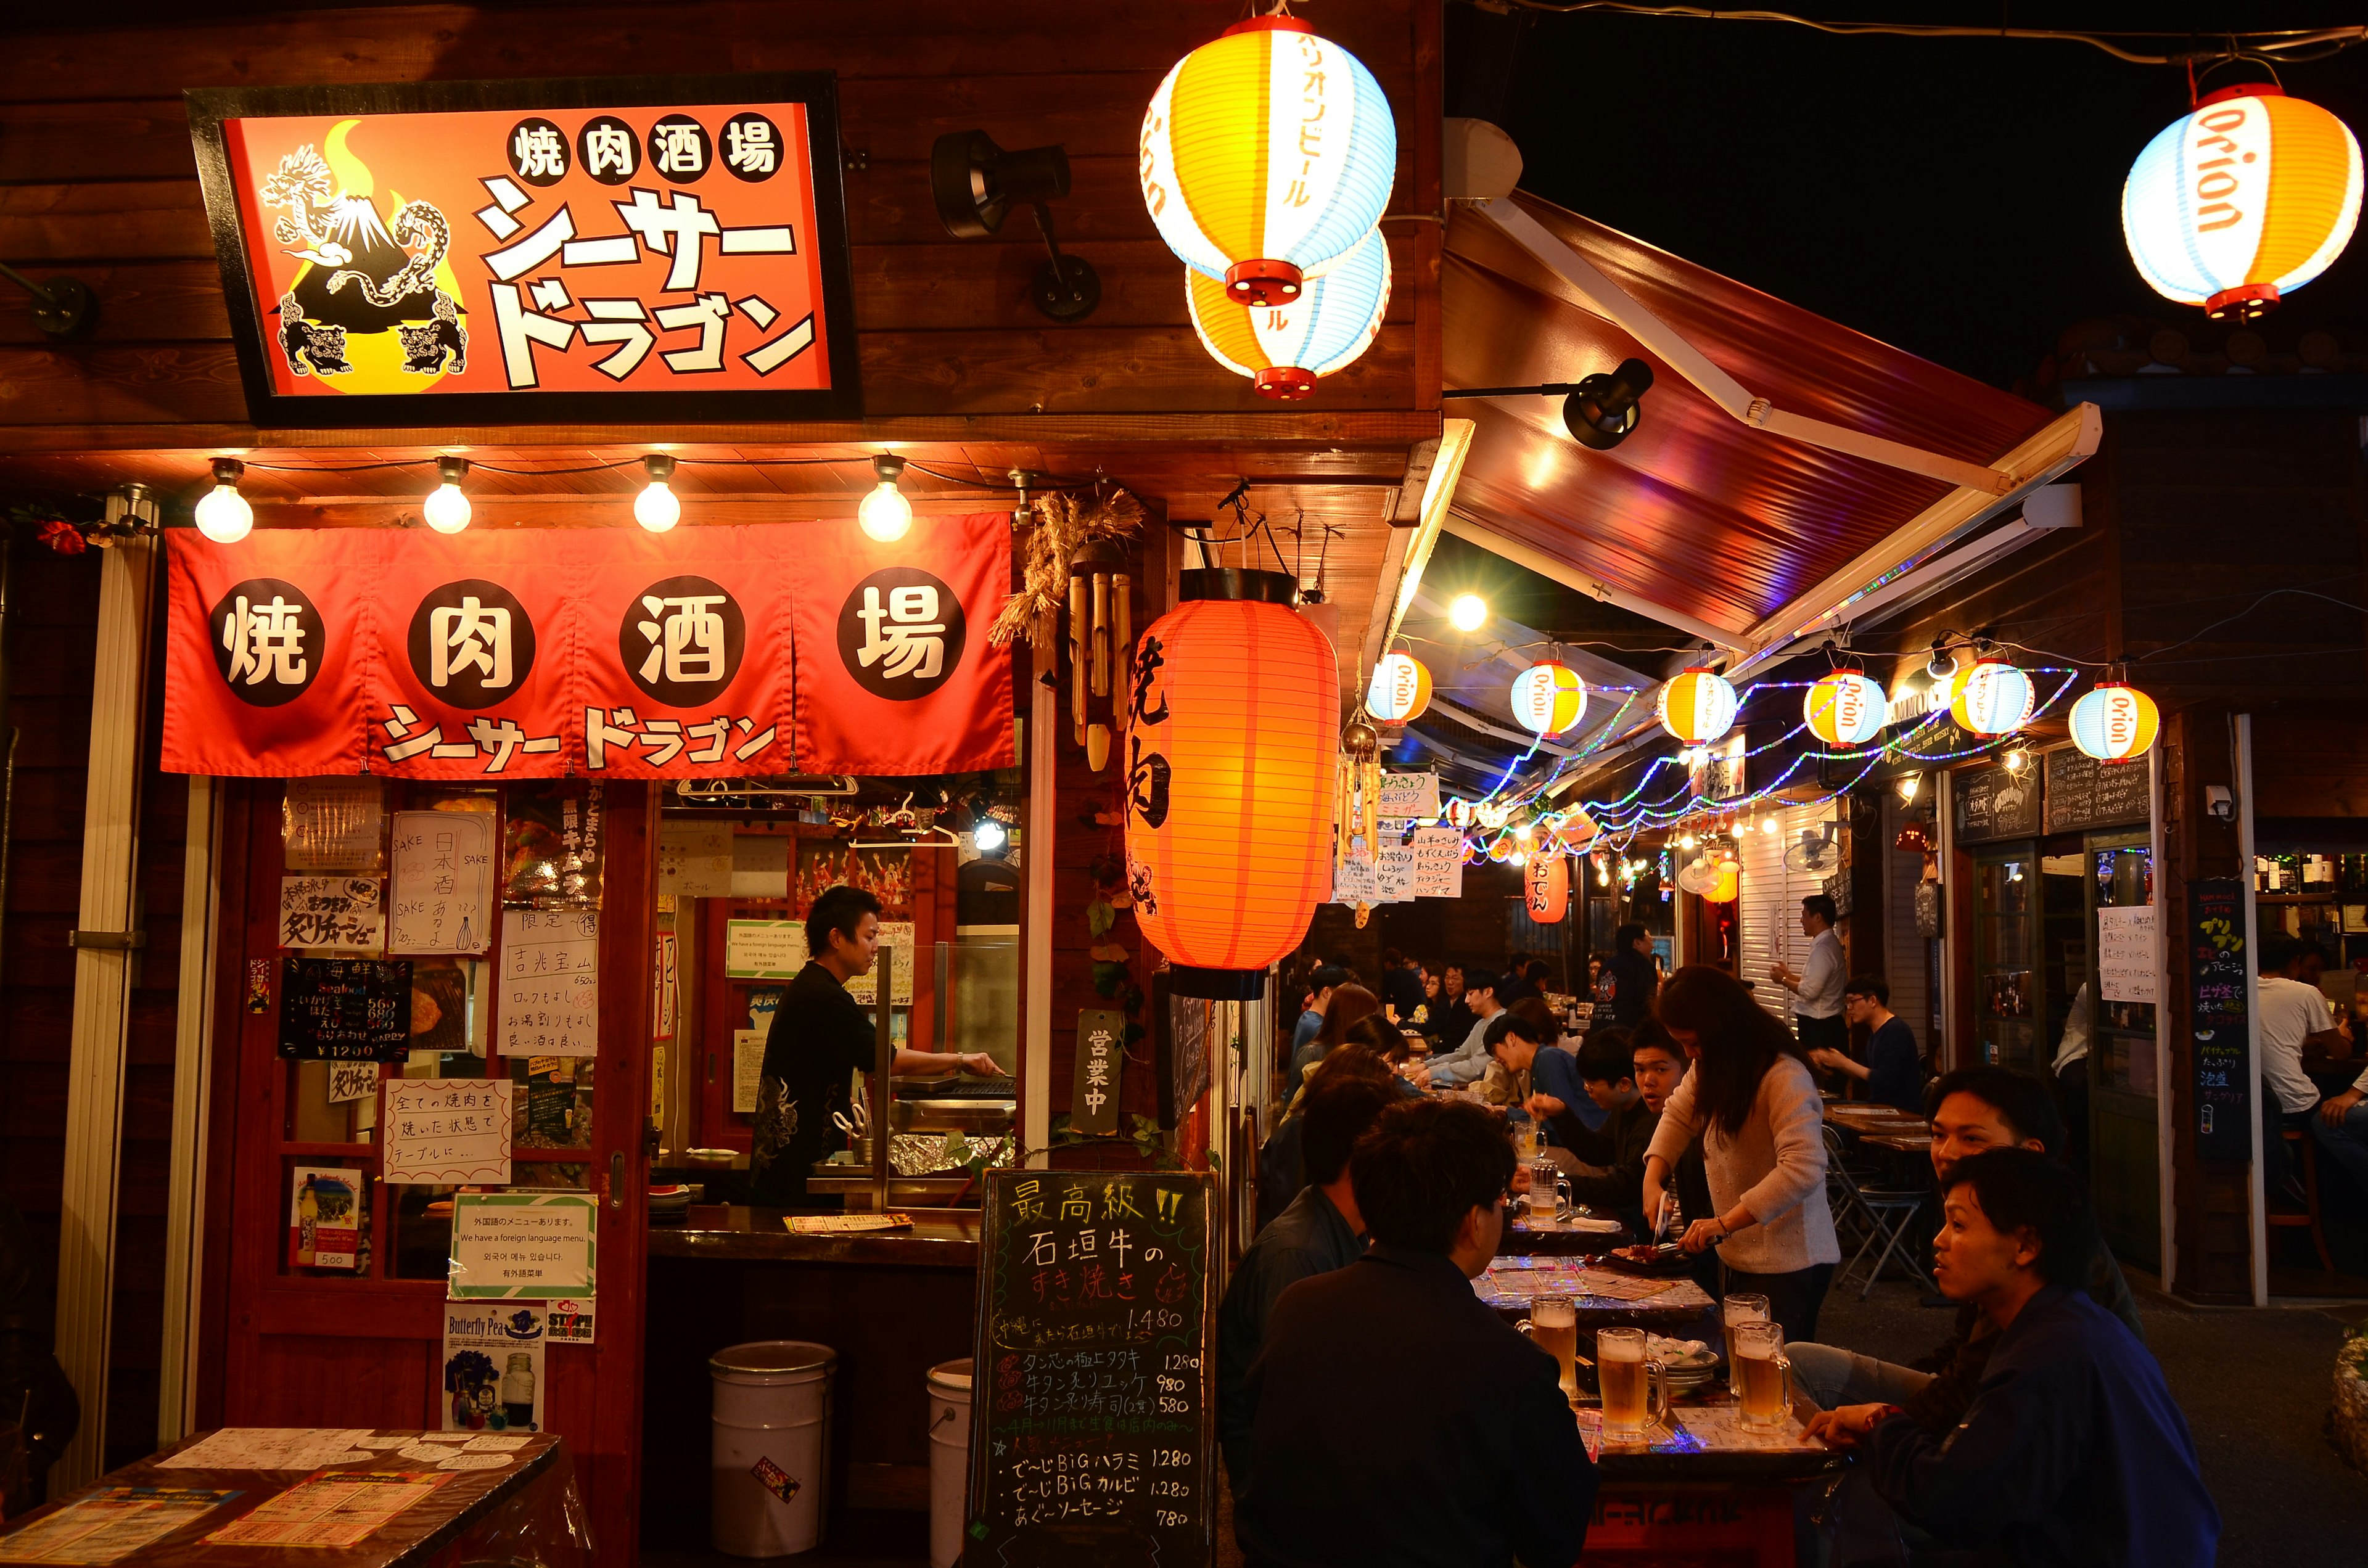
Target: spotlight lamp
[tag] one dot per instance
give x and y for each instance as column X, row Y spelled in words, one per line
column 976, row 184
column 1603, row 411
column 446, row 506
column 990, row 837
column 223, row 514
column 1909, row 783
column 657, row 508
column 886, row 515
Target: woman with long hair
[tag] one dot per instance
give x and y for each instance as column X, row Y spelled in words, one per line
column 1350, row 1003
column 1752, row 1100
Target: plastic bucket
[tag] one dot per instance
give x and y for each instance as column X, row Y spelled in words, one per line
column 771, row 1475
column 948, row 1460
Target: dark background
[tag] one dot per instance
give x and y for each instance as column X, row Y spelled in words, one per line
column 1958, row 197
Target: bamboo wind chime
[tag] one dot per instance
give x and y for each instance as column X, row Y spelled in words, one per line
column 1077, row 557
column 1100, row 629
column 1357, row 807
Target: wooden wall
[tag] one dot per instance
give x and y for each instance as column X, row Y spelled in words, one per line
column 96, row 180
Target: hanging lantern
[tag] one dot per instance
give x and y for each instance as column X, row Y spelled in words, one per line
column 1231, row 752
column 1098, row 629
column 1399, row 690
column 1266, row 156
column 1992, row 697
column 2115, row 723
column 2243, row 202
column 1459, row 814
column 1549, row 698
column 1283, row 349
column 1697, row 706
column 1500, row 849
column 1357, row 794
column 1546, row 881
column 1845, row 708
column 1728, row 884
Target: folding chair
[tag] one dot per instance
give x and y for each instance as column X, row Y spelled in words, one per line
column 1887, row 1214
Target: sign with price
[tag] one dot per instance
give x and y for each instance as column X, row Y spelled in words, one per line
column 2222, row 996
column 550, row 983
column 1095, row 1359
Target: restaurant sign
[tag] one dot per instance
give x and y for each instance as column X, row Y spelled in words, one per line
column 704, row 653
column 450, row 252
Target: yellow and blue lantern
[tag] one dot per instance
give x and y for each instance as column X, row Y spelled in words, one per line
column 2115, row 723
column 1845, row 708
column 1993, row 697
column 1549, row 698
column 1697, row 706
column 1283, row 349
column 1399, row 690
column 1266, row 154
column 2243, row 202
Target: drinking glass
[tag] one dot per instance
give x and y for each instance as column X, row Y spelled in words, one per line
column 1762, row 1375
column 1635, row 1391
column 1549, row 1194
column 1739, row 1309
column 1553, row 1325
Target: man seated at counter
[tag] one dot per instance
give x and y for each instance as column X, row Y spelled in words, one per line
column 1394, row 1418
column 2072, row 1449
column 2296, row 1019
column 819, row 1039
column 1893, row 1070
column 1321, row 1230
column 1974, row 1110
column 1458, row 1065
column 1606, row 1165
column 1554, row 1071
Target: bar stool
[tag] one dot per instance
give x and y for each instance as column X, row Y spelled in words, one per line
column 2310, row 1216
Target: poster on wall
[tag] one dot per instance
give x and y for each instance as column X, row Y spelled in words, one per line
column 638, row 248
column 695, row 858
column 551, row 848
column 443, row 874
column 493, row 1366
column 885, row 874
column 2128, row 964
column 524, row 1246
column 325, row 1217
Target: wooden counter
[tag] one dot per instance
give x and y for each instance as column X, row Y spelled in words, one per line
column 937, row 1238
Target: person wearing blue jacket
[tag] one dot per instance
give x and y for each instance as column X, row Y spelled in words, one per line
column 2073, row 1451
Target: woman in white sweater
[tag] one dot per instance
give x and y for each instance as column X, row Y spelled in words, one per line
column 1750, row 1098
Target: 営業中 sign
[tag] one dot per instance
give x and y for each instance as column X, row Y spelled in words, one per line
column 473, row 252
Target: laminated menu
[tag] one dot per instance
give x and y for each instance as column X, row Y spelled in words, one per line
column 335, row 1509
column 110, row 1524
column 1093, row 1428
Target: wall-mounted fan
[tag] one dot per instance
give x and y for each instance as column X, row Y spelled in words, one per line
column 1819, row 853
column 1699, row 875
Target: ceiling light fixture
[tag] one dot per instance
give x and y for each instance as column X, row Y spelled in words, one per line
column 886, row 515
column 223, row 514
column 657, row 508
column 446, row 506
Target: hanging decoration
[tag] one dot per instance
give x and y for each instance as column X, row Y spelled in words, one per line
column 1357, row 794
column 1076, row 559
column 1728, row 884
column 1266, row 154
column 1845, row 707
column 1399, row 690
column 1697, row 706
column 2243, row 202
column 2116, row 722
column 1283, row 349
column 1230, row 757
column 1549, row 698
column 1993, row 697
column 1063, row 525
column 1459, row 812
column 1546, row 882
column 1098, row 627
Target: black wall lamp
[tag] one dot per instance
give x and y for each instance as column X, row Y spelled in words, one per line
column 977, row 184
column 60, row 306
column 1600, row 411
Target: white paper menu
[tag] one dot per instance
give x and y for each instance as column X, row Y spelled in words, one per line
column 446, row 1132
column 550, row 1002
column 443, row 899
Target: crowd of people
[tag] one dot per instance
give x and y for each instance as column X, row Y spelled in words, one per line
column 2040, row 1430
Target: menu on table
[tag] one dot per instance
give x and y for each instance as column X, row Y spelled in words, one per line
column 110, row 1524
column 340, row 1508
column 1093, row 1427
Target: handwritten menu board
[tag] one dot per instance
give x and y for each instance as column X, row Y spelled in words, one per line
column 443, row 882
column 2126, row 967
column 2083, row 793
column 2215, row 966
column 1996, row 803
column 1438, row 862
column 1093, row 1426
column 550, row 983
column 345, row 1010
column 1408, row 795
column 446, row 1132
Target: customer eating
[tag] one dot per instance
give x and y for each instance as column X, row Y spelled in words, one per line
column 1394, row 1418
column 1555, row 1070
column 1606, row 1164
column 2072, row 1450
column 1893, row 1070
column 1751, row 1098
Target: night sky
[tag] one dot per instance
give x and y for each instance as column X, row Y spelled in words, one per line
column 1960, row 199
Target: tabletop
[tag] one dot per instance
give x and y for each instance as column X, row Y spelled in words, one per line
column 1605, row 1297
column 1557, row 1238
column 241, row 1497
column 1708, row 1444
column 1901, row 1143
column 939, row 1238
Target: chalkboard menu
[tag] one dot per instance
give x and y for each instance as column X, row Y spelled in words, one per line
column 1180, row 1027
column 1093, row 1419
column 345, row 1010
column 2083, row 793
column 2217, row 971
column 1996, row 803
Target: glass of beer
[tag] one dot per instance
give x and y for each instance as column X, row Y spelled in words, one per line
column 1739, row 1309
column 1635, row 1391
column 1763, row 1390
column 1553, row 1325
column 1549, row 1194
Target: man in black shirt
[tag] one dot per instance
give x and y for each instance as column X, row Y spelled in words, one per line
column 819, row 1039
column 1462, row 1454
column 1634, row 979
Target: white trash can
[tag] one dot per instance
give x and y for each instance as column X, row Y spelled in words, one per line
column 948, row 1460
column 771, row 1475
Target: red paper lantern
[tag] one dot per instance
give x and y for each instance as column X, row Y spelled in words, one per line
column 1546, row 879
column 1232, row 743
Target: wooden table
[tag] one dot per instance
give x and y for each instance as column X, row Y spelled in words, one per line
column 1526, row 1237
column 1665, row 1501
column 1900, row 1142
column 1512, row 1283
column 530, row 1500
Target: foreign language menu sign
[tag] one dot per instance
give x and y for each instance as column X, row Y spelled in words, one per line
column 644, row 248
column 1093, row 1421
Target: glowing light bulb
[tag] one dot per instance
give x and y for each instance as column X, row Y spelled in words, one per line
column 1908, row 784
column 1687, row 842
column 657, row 508
column 223, row 514
column 446, row 506
column 1468, row 613
column 989, row 836
column 1772, row 826
column 886, row 515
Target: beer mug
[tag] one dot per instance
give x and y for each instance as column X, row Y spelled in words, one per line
column 1553, row 1327
column 1635, row 1391
column 1549, row 1194
column 1737, row 1310
column 1762, row 1373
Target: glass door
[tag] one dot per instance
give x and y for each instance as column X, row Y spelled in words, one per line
column 2006, row 967
column 2125, row 1177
